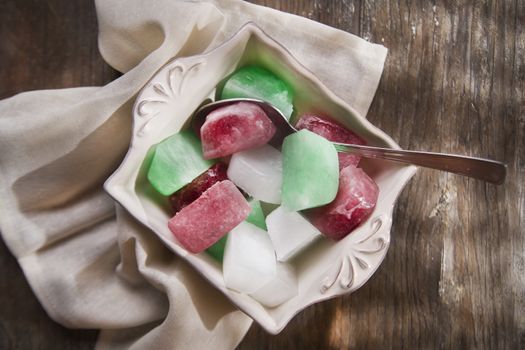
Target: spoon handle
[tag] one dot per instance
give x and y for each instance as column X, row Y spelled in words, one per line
column 479, row 168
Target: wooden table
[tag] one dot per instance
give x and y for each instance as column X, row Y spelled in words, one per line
column 454, row 81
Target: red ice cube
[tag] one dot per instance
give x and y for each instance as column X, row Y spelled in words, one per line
column 234, row 128
column 355, row 201
column 193, row 190
column 334, row 132
column 203, row 222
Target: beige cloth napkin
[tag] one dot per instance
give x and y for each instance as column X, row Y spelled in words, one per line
column 89, row 263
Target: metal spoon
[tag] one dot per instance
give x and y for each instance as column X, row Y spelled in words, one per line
column 478, row 168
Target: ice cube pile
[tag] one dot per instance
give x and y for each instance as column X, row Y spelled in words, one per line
column 253, row 207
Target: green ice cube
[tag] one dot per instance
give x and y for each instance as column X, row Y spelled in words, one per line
column 176, row 162
column 257, row 82
column 256, row 216
column 217, row 249
column 310, row 171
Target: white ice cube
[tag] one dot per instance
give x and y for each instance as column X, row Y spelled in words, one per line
column 259, row 172
column 249, row 259
column 290, row 232
column 280, row 289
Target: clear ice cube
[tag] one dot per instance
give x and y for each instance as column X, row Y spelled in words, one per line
column 280, row 289
column 249, row 259
column 290, row 232
column 259, row 172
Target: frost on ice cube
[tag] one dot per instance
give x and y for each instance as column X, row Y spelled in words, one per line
column 176, row 162
column 234, row 128
column 259, row 83
column 258, row 171
column 198, row 186
column 249, row 259
column 310, row 171
column 355, row 201
column 290, row 232
column 280, row 289
column 334, row 132
column 203, row 222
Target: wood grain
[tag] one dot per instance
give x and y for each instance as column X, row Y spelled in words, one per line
column 454, row 81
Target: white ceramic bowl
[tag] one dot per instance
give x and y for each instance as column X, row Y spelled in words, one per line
column 165, row 104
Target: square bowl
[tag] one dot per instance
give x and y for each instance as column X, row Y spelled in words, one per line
column 165, row 105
